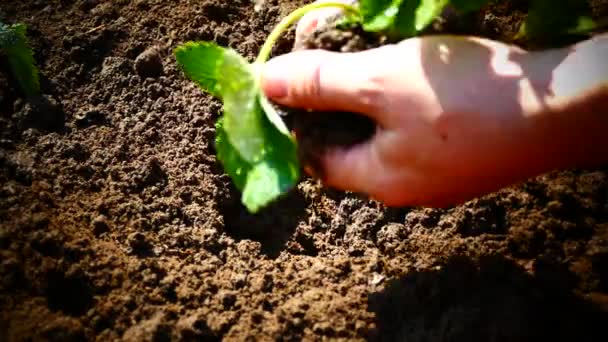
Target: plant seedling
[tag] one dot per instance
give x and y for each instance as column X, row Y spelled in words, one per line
column 14, row 44
column 254, row 145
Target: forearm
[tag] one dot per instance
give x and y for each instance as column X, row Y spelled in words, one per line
column 571, row 115
column 520, row 113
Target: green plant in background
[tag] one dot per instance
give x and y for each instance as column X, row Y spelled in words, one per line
column 253, row 144
column 548, row 20
column 14, row 44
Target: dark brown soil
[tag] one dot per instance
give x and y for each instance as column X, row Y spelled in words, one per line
column 117, row 222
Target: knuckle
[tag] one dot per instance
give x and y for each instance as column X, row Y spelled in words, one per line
column 371, row 92
column 305, row 86
column 314, row 84
column 308, row 85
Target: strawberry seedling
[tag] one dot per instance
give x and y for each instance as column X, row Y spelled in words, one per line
column 14, row 44
column 254, row 145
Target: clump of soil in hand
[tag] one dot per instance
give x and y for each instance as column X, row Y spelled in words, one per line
column 319, row 132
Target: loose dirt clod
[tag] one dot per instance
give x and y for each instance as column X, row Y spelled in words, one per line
column 149, row 63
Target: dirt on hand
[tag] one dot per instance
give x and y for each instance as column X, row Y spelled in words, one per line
column 118, row 223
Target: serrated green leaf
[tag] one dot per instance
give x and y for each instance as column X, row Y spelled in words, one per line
column 371, row 9
column 265, row 183
column 258, row 153
column 14, row 43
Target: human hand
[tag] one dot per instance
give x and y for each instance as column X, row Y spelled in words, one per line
column 459, row 117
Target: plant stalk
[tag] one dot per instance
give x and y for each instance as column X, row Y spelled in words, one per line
column 291, row 19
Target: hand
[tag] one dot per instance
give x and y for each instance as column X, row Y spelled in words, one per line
column 459, row 116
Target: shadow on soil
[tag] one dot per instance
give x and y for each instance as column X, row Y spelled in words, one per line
column 272, row 227
column 492, row 299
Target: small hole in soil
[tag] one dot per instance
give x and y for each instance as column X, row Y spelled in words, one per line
column 307, row 243
column 70, row 295
column 273, row 226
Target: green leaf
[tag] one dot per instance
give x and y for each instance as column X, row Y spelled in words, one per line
column 426, row 12
column 548, row 19
column 235, row 166
column 468, row 5
column 379, row 15
column 273, row 115
column 254, row 145
column 201, row 62
column 400, row 18
column 242, row 114
column 263, row 182
column 14, row 43
column 584, row 25
column 276, row 174
column 227, row 75
column 266, row 181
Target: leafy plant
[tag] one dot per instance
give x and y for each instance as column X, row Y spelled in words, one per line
column 253, row 144
column 255, row 147
column 14, row 44
column 548, row 20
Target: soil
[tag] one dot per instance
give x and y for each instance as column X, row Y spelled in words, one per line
column 117, row 222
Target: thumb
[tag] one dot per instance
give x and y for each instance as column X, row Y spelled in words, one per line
column 323, row 80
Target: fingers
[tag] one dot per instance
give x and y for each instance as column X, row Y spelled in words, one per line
column 323, row 81
column 363, row 169
column 354, row 169
column 370, row 168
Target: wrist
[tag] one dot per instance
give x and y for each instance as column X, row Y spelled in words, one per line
column 524, row 113
column 565, row 101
